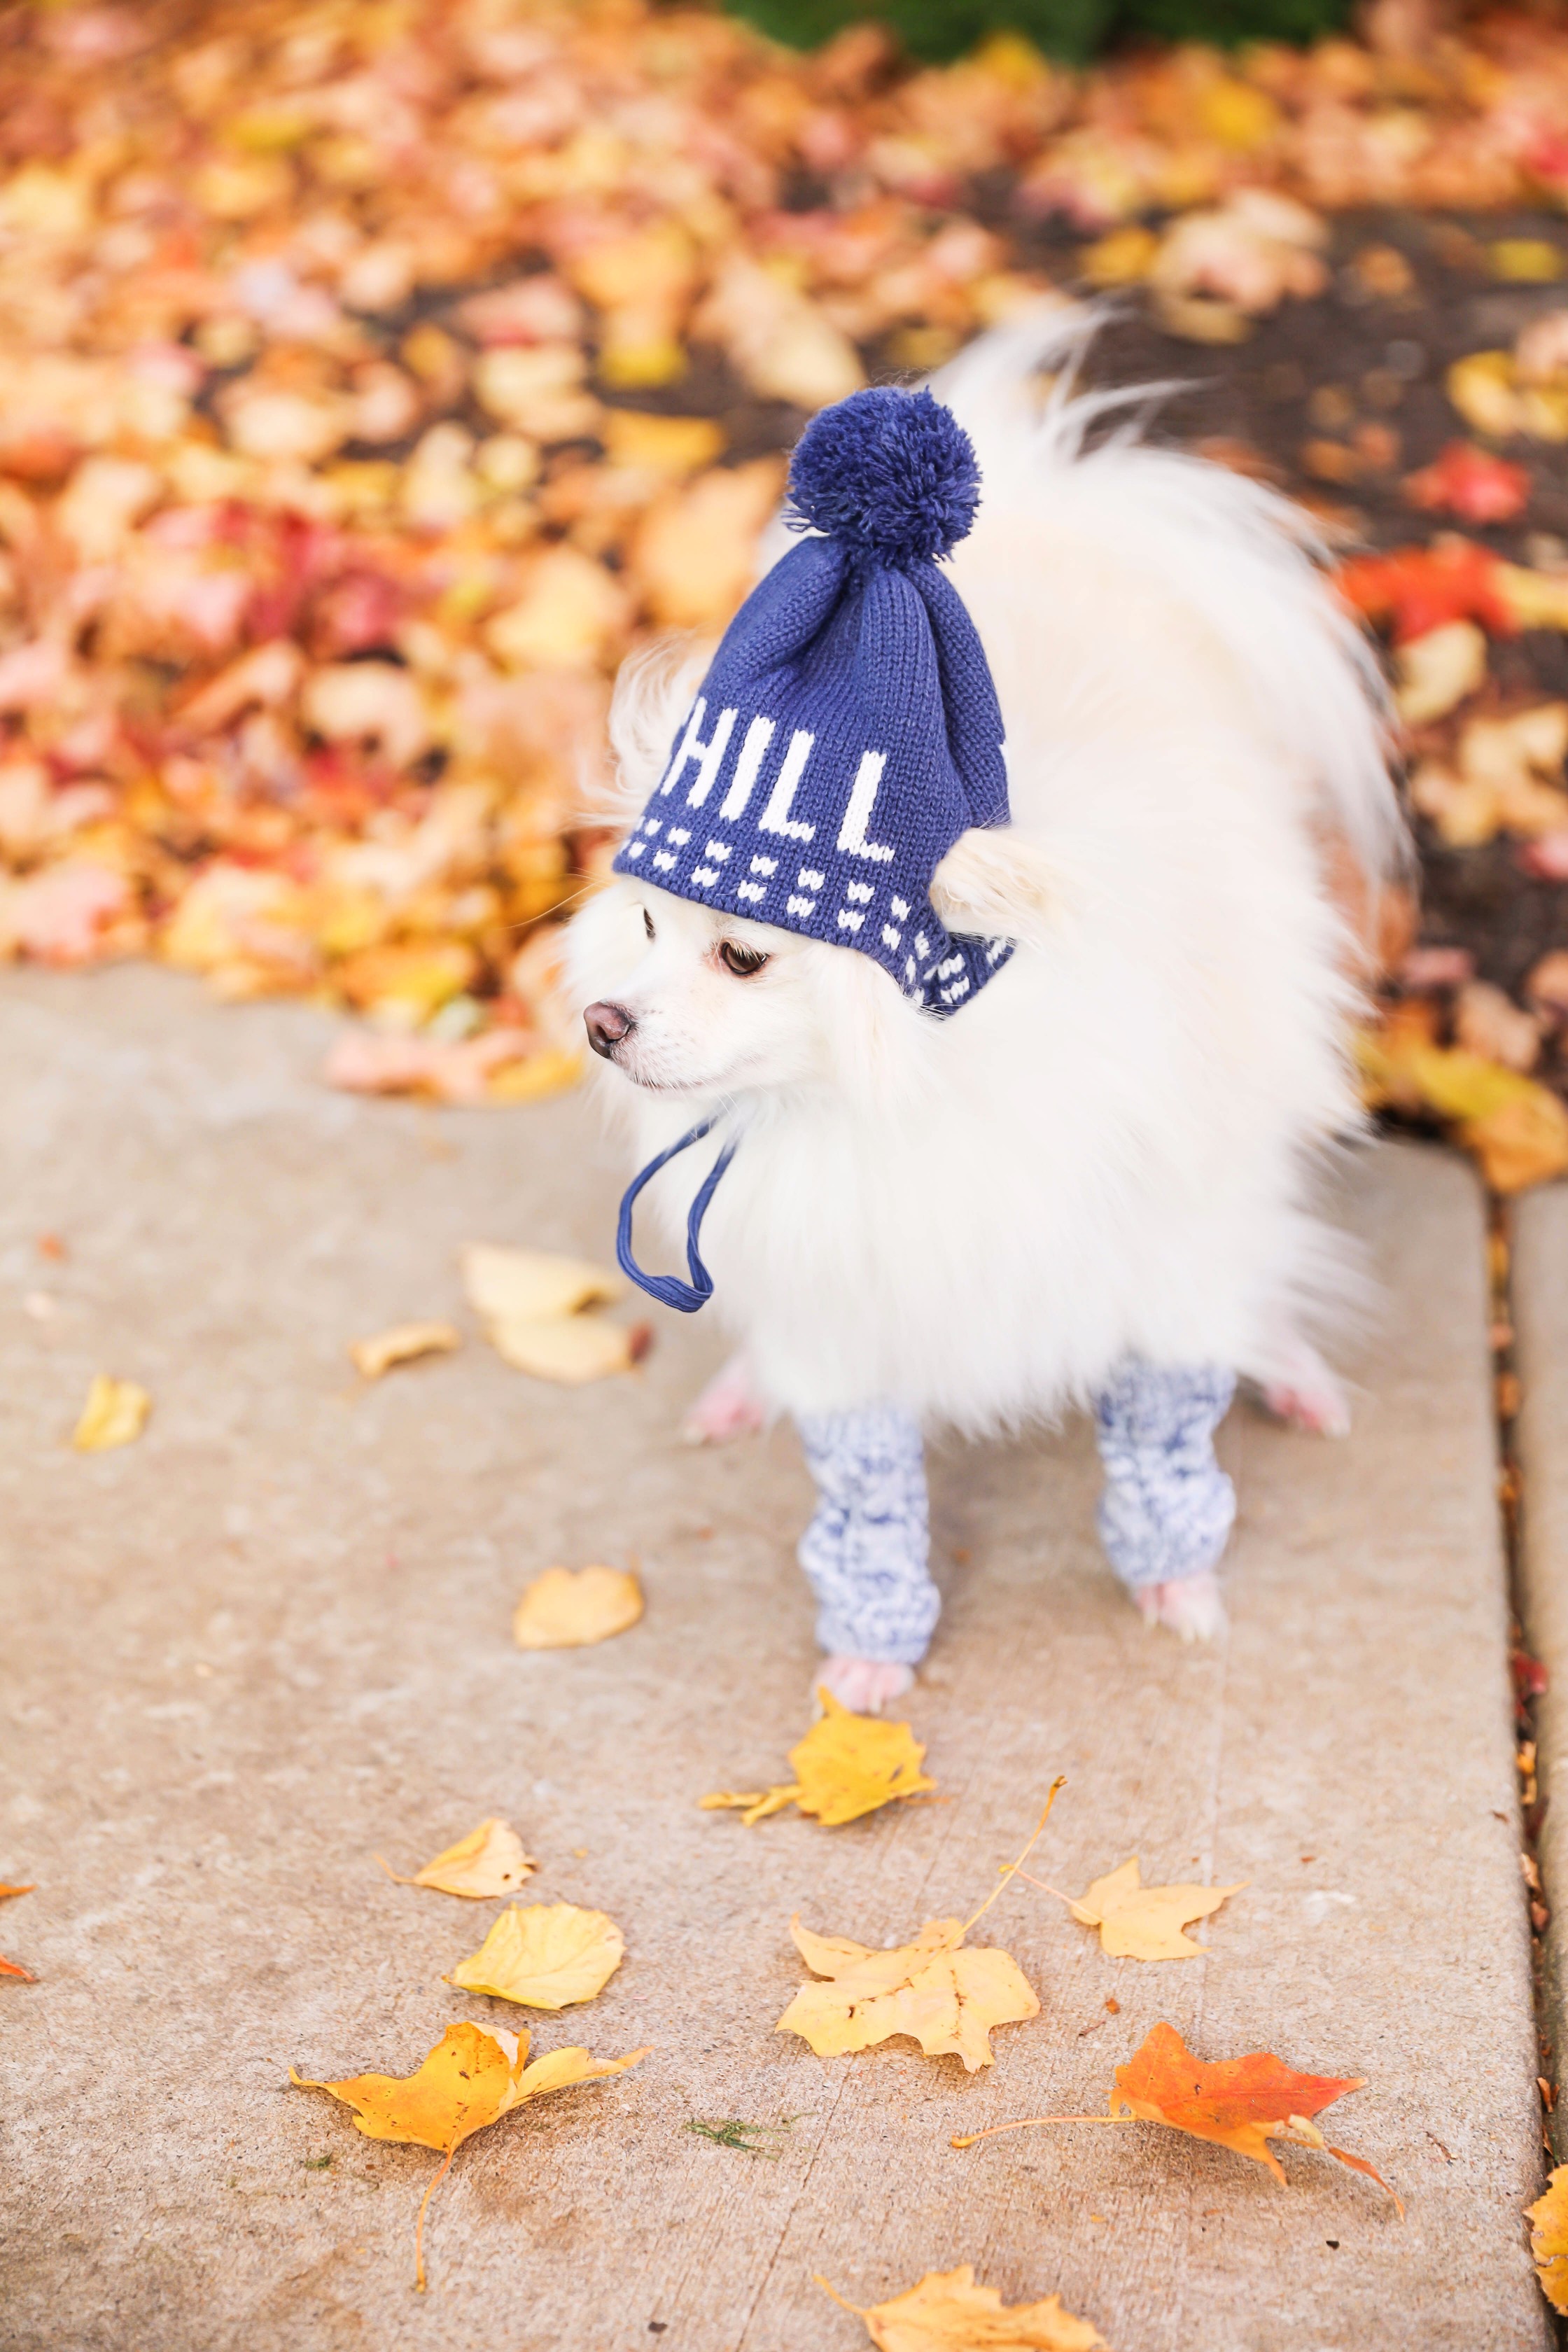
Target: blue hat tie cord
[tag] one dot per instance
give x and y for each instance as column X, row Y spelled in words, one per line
column 669, row 1288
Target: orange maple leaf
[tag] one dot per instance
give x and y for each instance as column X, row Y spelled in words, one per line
column 1237, row 2102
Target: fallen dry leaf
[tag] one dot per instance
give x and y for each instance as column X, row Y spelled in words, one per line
column 568, row 1349
column 547, row 1956
column 1548, row 2220
column 488, row 1862
column 1546, row 985
column 527, row 1286
column 467, row 2082
column 1145, row 1923
column 846, row 1765
column 1215, row 271
column 532, row 1305
column 570, row 1609
column 1516, row 1129
column 946, row 2311
column 946, row 1996
column 1237, row 2102
column 1437, row 670
column 115, row 1413
column 402, row 1345
column 943, row 1993
column 1417, row 589
column 693, row 554
column 1487, row 1021
column 778, row 340
column 1470, row 483
column 15, row 1968
column 499, row 1065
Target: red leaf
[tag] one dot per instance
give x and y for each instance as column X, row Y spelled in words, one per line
column 1419, row 588
column 1471, row 483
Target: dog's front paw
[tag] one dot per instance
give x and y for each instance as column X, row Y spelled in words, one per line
column 865, row 1686
column 727, row 1407
column 1190, row 1607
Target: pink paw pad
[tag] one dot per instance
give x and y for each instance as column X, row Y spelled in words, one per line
column 865, row 1686
column 727, row 1407
column 1322, row 1409
column 1190, row 1607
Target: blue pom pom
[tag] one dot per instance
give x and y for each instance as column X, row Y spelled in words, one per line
column 891, row 472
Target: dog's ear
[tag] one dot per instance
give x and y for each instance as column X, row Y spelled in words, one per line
column 653, row 691
column 996, row 882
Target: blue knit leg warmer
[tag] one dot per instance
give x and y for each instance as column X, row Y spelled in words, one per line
column 1168, row 1507
column 865, row 1549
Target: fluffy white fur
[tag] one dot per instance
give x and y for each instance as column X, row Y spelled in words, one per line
column 1112, row 1146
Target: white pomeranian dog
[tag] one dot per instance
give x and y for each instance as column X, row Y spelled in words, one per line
column 1109, row 1155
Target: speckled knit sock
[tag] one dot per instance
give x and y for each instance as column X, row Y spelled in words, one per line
column 1167, row 1509
column 866, row 1548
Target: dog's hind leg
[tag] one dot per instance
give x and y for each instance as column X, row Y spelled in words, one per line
column 1304, row 1393
column 1168, row 1507
column 727, row 1407
column 866, row 1552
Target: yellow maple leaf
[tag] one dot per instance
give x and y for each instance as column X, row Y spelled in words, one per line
column 945, row 1994
column 946, row 2311
column 401, row 1345
column 1145, row 1923
column 846, row 1765
column 468, row 2081
column 1548, row 2219
column 488, row 1862
column 547, row 1956
column 114, row 1415
column 568, row 1609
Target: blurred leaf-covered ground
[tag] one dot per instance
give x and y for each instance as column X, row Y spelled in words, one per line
column 372, row 377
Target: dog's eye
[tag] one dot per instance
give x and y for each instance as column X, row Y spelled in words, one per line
column 647, row 922
column 742, row 960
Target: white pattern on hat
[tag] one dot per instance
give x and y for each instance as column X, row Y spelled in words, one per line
column 753, row 750
column 862, row 800
column 775, row 817
column 710, row 756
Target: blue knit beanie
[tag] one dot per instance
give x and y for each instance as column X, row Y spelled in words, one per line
column 848, row 731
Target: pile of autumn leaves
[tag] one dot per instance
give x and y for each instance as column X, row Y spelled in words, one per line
column 350, row 365
column 940, row 1990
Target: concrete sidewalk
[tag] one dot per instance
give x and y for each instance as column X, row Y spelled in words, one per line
column 270, row 1640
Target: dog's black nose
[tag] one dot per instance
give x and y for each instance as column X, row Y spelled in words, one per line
column 607, row 1024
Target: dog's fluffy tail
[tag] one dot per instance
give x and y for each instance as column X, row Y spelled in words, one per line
column 1244, row 559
